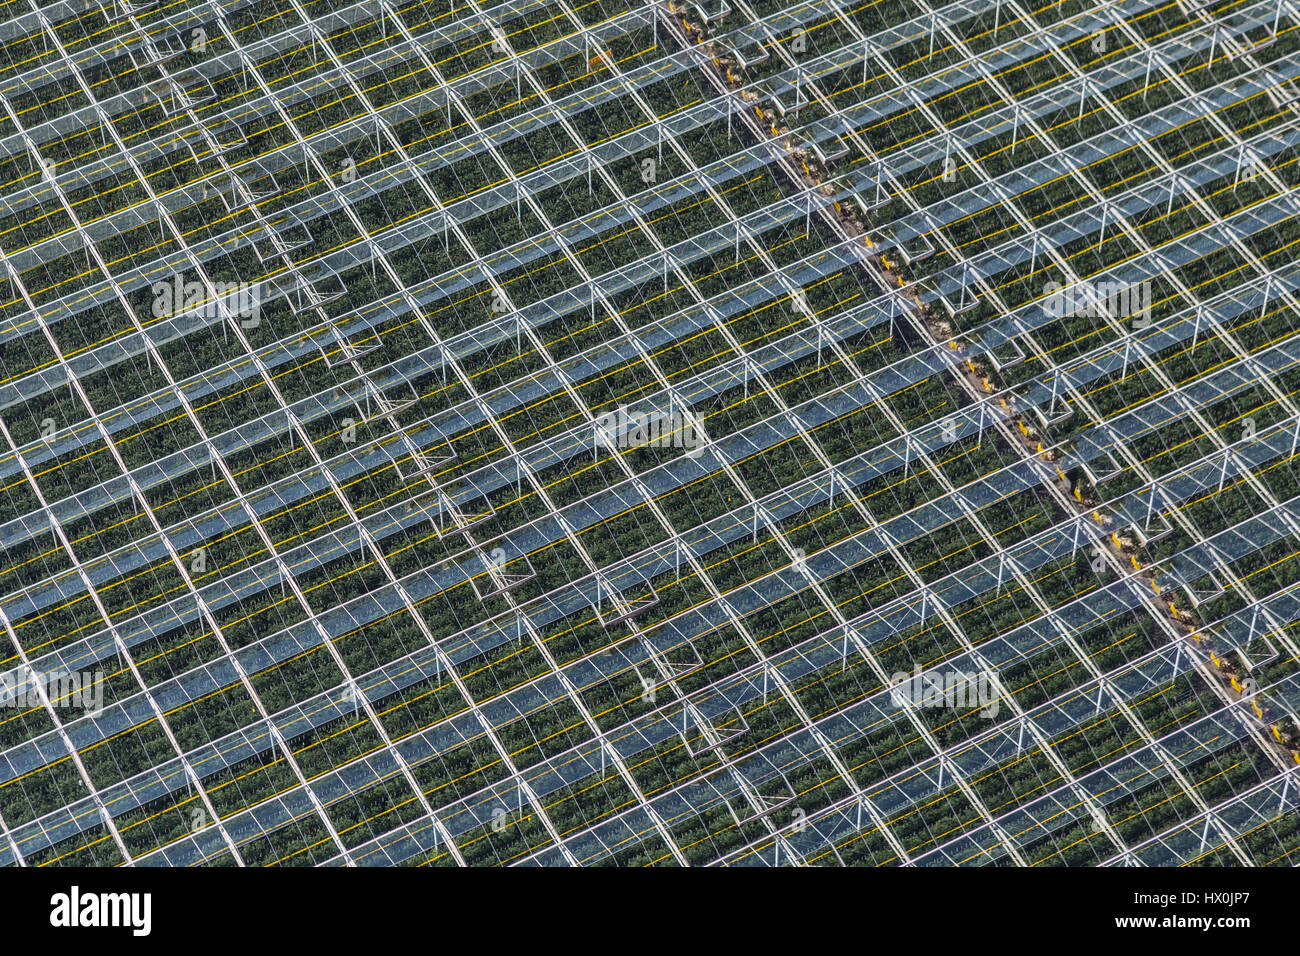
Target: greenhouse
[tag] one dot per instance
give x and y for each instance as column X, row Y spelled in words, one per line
column 596, row 432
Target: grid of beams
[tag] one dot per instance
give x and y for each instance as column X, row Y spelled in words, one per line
column 588, row 432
